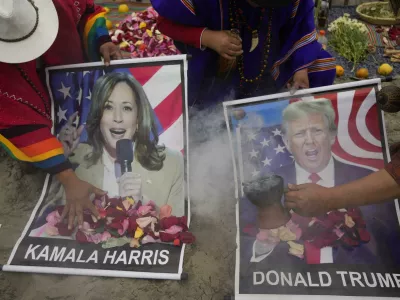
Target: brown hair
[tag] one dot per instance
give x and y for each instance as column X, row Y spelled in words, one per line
column 147, row 151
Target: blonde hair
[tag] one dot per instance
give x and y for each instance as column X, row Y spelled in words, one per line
column 299, row 109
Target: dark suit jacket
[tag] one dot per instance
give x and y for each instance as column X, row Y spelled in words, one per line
column 381, row 221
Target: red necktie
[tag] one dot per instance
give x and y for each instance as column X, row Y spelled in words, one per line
column 314, row 177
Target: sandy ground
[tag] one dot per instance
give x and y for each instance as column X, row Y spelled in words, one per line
column 209, row 263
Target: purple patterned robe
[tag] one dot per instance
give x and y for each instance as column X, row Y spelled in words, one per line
column 294, row 47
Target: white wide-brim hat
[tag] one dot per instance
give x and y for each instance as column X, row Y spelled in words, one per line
column 27, row 29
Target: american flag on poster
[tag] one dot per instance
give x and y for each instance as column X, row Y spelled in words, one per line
column 72, row 91
column 358, row 141
column 264, row 150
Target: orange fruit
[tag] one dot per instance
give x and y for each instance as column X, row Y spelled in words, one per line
column 362, row 73
column 339, row 71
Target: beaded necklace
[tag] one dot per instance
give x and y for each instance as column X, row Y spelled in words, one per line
column 234, row 15
column 254, row 32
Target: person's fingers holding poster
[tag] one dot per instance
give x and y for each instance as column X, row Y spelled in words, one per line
column 130, row 185
column 70, row 135
column 110, row 51
column 78, row 194
column 307, row 199
column 300, row 81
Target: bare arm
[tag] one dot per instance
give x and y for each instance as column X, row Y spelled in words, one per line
column 313, row 200
column 375, row 188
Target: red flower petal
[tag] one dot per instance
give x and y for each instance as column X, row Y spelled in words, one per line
column 325, row 240
column 115, row 225
column 87, row 217
column 166, row 223
column 132, row 224
column 364, row 235
column 114, row 212
column 250, row 229
column 81, row 237
column 102, row 213
column 63, row 229
column 186, row 237
column 168, row 238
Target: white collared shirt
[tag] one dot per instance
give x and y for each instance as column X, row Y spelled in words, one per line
column 327, row 175
column 112, row 171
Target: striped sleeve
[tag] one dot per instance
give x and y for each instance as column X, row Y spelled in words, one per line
column 35, row 144
column 301, row 49
column 94, row 31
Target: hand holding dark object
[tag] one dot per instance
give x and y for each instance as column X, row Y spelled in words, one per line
column 308, row 200
column 78, row 194
column 226, row 44
column 300, row 81
column 70, row 135
column 110, row 51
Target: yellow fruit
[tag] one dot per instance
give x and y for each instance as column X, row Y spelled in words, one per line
column 362, row 73
column 107, row 9
column 385, row 70
column 123, row 8
column 339, row 71
column 109, row 24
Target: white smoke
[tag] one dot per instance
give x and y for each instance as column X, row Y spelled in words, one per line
column 211, row 175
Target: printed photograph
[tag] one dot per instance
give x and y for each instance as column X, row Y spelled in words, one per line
column 123, row 132
column 329, row 139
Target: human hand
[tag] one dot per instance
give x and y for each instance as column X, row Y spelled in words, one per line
column 69, row 135
column 223, row 42
column 78, row 194
column 308, row 199
column 110, row 51
column 300, row 81
column 130, row 185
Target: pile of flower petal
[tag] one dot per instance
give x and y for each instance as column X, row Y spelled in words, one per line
column 138, row 34
column 394, row 33
column 122, row 221
column 306, row 236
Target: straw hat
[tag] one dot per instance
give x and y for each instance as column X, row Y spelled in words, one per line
column 27, row 29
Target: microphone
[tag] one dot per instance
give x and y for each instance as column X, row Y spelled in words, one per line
column 125, row 155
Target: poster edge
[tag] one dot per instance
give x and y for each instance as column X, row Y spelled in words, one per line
column 304, row 92
column 304, row 297
column 182, row 61
column 240, row 159
column 114, row 63
column 374, row 83
column 388, row 156
column 231, row 147
column 185, row 102
column 88, row 272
